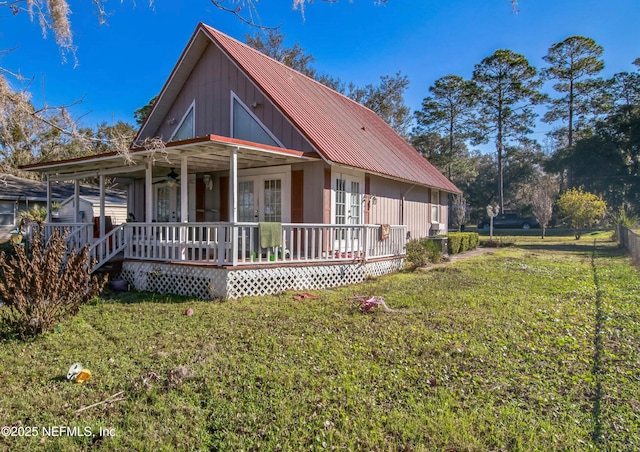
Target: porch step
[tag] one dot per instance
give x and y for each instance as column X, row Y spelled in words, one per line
column 113, row 267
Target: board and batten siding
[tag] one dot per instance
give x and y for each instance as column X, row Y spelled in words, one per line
column 388, row 207
column 211, row 83
column 313, row 202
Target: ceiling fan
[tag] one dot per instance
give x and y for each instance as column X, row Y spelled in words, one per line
column 170, row 179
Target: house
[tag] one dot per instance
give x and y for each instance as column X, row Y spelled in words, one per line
column 266, row 181
column 18, row 194
column 115, row 205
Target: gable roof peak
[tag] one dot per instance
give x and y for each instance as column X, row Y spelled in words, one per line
column 295, row 73
column 339, row 128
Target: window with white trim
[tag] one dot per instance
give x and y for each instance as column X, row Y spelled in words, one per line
column 185, row 129
column 273, row 200
column 247, row 127
column 355, row 210
column 435, row 206
column 347, row 202
column 246, row 202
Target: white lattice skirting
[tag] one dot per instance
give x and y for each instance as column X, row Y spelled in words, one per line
column 208, row 283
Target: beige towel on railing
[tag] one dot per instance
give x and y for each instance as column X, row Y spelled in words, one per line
column 270, row 234
column 385, row 230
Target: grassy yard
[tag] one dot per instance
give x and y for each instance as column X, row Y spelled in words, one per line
column 532, row 347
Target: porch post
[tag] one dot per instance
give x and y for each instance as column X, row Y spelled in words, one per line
column 48, row 220
column 233, row 186
column 102, row 225
column 148, row 192
column 184, row 205
column 76, row 201
column 184, row 189
column 233, row 204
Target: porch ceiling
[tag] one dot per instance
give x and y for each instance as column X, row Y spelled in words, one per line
column 204, row 155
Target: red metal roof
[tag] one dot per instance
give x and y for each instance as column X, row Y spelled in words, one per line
column 342, row 130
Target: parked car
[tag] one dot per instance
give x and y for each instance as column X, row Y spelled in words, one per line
column 509, row 221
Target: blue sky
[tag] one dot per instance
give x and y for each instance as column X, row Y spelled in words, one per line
column 122, row 64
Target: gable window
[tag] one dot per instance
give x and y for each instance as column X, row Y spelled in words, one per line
column 185, row 129
column 435, row 206
column 247, row 127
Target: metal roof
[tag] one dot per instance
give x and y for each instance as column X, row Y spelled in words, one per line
column 208, row 153
column 342, row 130
column 13, row 188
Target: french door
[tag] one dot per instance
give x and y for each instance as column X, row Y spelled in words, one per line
column 261, row 199
column 348, row 210
column 167, row 201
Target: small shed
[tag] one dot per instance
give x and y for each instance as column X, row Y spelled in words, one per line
column 115, row 207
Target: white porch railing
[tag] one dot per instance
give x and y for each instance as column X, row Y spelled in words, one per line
column 78, row 234
column 106, row 247
column 226, row 244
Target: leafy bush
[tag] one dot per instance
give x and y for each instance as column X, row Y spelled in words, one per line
column 38, row 213
column 474, row 241
column 416, row 255
column 627, row 220
column 459, row 242
column 42, row 285
column 434, row 250
column 580, row 209
column 422, row 251
column 464, row 245
column 454, row 243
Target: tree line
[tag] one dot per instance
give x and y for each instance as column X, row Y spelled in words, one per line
column 595, row 123
column 594, row 141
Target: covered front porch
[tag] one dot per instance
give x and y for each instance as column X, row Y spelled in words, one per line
column 198, row 207
column 222, row 259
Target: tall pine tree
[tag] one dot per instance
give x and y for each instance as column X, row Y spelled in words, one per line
column 448, row 114
column 509, row 88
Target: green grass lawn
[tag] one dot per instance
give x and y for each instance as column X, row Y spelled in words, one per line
column 532, row 347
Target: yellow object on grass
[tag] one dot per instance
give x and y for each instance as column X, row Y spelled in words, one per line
column 83, row 376
column 78, row 374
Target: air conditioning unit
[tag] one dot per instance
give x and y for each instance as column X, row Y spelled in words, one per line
column 438, row 228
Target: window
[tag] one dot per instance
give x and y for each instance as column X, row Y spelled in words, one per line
column 435, row 206
column 341, row 201
column 185, row 129
column 167, row 203
column 348, row 205
column 247, row 127
column 164, row 204
column 273, row 200
column 355, row 210
column 246, row 206
column 264, row 194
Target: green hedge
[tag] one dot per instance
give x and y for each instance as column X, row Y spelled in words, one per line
column 422, row 251
column 459, row 242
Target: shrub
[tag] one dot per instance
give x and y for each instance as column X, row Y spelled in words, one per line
column 433, row 249
column 422, row 251
column 474, row 241
column 464, row 244
column 459, row 242
column 581, row 209
column 454, row 243
column 43, row 285
column 416, row 254
column 626, row 219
